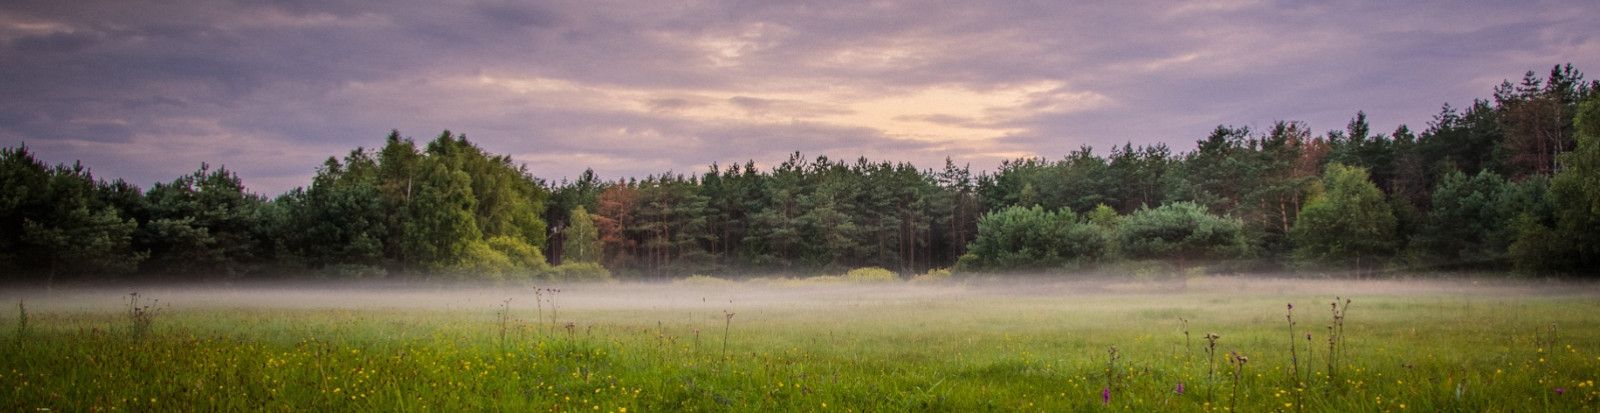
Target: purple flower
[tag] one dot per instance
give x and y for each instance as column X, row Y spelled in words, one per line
column 1561, row 390
column 1179, row 389
column 1105, row 395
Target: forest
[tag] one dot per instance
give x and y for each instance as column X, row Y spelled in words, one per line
column 1508, row 184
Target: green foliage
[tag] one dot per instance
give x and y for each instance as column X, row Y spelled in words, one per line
column 1347, row 223
column 500, row 258
column 699, row 279
column 1031, row 238
column 1131, row 177
column 440, row 222
column 1575, row 193
column 1466, row 225
column 565, row 198
column 1536, row 248
column 84, row 242
column 582, row 238
column 871, row 275
column 62, row 221
column 936, row 275
column 577, row 272
column 461, row 209
column 205, row 223
column 1183, row 231
column 478, row 260
column 1212, row 175
column 341, row 219
column 1462, row 141
column 525, row 258
column 1105, row 217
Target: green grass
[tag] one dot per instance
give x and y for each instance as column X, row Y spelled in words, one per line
column 1410, row 346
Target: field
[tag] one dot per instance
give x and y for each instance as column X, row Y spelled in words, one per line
column 1429, row 345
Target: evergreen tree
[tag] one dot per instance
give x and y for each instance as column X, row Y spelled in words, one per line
column 342, row 219
column 1466, row 222
column 205, row 223
column 1180, row 231
column 60, row 221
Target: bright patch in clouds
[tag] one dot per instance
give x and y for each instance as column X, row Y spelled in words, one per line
column 938, row 113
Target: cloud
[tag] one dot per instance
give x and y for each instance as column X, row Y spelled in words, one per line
column 148, row 90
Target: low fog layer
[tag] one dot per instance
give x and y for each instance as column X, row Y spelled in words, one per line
column 378, row 295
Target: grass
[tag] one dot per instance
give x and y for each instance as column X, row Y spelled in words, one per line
column 1431, row 346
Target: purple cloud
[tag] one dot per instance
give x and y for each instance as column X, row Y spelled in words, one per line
column 147, row 91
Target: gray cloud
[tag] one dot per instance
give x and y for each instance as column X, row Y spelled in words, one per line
column 147, row 90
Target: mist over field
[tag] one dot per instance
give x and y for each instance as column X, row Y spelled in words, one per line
column 1021, row 343
column 774, row 293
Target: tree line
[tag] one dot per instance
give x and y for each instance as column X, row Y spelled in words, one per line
column 1507, row 183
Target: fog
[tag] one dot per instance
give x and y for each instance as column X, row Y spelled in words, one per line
column 794, row 294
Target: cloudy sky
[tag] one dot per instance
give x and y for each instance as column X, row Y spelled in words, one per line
column 149, row 90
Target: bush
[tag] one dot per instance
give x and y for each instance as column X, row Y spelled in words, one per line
column 870, row 275
column 355, row 271
column 1183, row 231
column 935, row 275
column 479, row 260
column 698, row 279
column 578, row 272
column 525, row 259
column 817, row 280
column 1017, row 238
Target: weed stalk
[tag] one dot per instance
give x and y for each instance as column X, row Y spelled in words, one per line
column 140, row 317
column 727, row 326
column 1336, row 338
column 505, row 320
column 1111, row 368
column 1294, row 355
column 22, row 322
column 1211, row 363
column 1238, row 361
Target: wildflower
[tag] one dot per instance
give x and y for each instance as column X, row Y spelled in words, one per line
column 1105, row 395
column 1179, row 389
column 1561, row 391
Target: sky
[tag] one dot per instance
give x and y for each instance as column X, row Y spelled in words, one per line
column 148, row 90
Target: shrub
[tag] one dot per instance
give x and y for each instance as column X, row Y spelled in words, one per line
column 1018, row 238
column 355, row 271
column 870, row 275
column 935, row 275
column 479, row 260
column 698, row 279
column 525, row 259
column 578, row 272
column 1182, row 231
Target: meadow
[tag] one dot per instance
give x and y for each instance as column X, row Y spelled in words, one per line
column 1196, row 344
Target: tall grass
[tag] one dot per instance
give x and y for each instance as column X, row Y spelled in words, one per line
column 975, row 353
